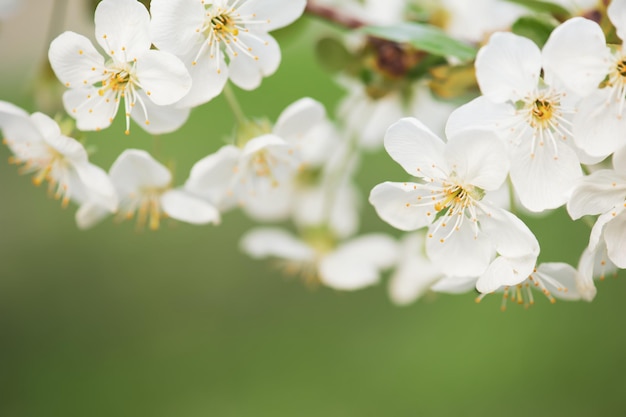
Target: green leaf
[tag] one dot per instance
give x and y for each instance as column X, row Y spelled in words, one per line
column 423, row 37
column 544, row 7
column 535, row 28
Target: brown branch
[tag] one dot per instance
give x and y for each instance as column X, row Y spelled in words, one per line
column 333, row 15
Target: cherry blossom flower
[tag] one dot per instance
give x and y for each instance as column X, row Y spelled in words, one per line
column 147, row 81
column 465, row 231
column 144, row 188
column 533, row 112
column 602, row 114
column 603, row 192
column 259, row 173
column 350, row 265
column 222, row 39
column 39, row 146
column 553, row 279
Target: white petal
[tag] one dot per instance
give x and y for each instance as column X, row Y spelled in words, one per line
column 273, row 203
column 398, row 204
column 463, row 253
column 597, row 193
column 411, row 144
column 415, row 272
column 576, row 53
column 182, row 206
column 505, row 271
column 584, row 283
column 207, row 81
column 91, row 111
column 508, row 67
column 259, row 59
column 272, row 242
column 563, row 274
column 261, row 142
column 70, row 148
column 596, row 122
column 510, row 236
column 163, row 77
column 89, row 214
column 276, row 13
column 358, row 263
column 544, row 180
column 161, row 119
column 47, row 127
column 478, row 157
column 135, row 169
column 298, row 118
column 211, row 177
column 98, row 185
column 75, row 61
column 174, row 23
column 597, row 231
column 617, row 14
column 454, row 285
column 615, row 238
column 483, row 113
column 122, row 28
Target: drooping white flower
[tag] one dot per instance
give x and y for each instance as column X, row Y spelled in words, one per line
column 533, row 112
column 601, row 117
column 553, row 279
column 144, row 188
column 39, row 146
column 603, row 192
column 143, row 79
column 350, row 265
column 465, row 232
column 259, row 173
column 222, row 39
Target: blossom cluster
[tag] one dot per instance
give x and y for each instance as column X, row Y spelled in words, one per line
column 529, row 127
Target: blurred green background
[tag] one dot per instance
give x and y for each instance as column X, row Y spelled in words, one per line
column 112, row 322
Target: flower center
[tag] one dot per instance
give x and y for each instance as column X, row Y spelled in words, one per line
column 546, row 116
column 50, row 166
column 147, row 203
column 616, row 81
column 454, row 203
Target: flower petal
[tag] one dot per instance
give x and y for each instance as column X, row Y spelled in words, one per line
column 163, row 77
column 122, row 28
column 478, row 157
column 264, row 242
column 75, row 60
column 576, row 54
column 560, row 279
column 174, row 23
column 419, row 151
column 358, row 263
column 258, row 56
column 135, row 169
column 91, row 111
column 544, row 180
column 597, row 193
column 398, row 204
column 182, row 206
column 595, row 124
column 504, row 271
column 161, row 119
column 209, row 76
column 615, row 238
column 508, row 67
column 483, row 113
column 274, row 14
column 617, row 14
column 211, row 178
column 298, row 118
column 510, row 236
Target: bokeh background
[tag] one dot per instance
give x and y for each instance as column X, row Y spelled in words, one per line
column 115, row 322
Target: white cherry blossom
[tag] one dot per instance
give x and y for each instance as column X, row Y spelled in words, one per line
column 222, row 39
column 529, row 99
column 349, row 265
column 144, row 188
column 145, row 80
column 39, row 146
column 465, row 231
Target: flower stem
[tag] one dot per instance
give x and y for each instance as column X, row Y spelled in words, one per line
column 332, row 15
column 231, row 99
